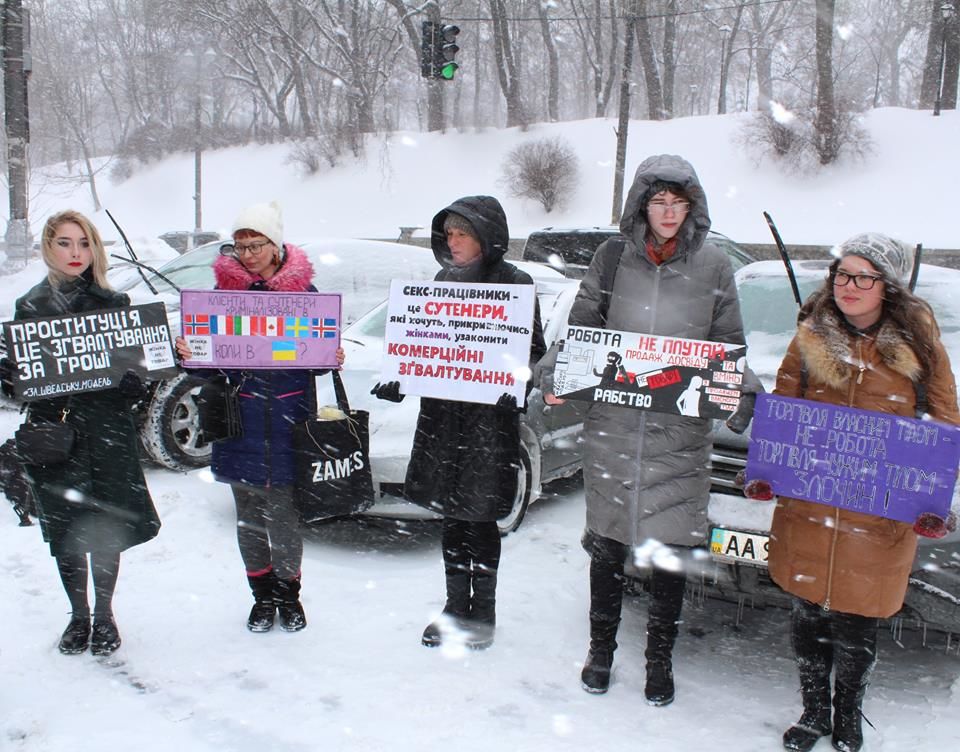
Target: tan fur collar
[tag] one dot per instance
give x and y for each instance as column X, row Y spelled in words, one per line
column 826, row 346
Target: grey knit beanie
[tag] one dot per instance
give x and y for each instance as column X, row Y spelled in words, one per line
column 455, row 221
column 891, row 257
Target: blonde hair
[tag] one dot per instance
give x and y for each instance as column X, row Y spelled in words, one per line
column 99, row 264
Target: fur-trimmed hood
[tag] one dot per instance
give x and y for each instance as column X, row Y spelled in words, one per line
column 826, row 345
column 294, row 275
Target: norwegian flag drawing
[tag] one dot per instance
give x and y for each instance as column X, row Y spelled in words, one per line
column 198, row 323
column 323, row 328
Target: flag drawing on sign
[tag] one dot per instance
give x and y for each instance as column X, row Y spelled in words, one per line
column 274, row 326
column 296, row 327
column 323, row 328
column 196, row 323
column 284, row 350
column 258, row 326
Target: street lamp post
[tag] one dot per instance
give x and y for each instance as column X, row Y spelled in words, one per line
column 722, row 97
column 200, row 60
column 946, row 13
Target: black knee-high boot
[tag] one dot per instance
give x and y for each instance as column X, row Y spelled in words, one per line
column 855, row 652
column 484, row 543
column 607, row 558
column 663, row 624
column 812, row 645
column 456, row 569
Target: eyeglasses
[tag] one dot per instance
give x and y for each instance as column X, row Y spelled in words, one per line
column 237, row 250
column 661, row 207
column 862, row 281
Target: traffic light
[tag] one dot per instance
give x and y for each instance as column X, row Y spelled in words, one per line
column 428, row 49
column 447, row 50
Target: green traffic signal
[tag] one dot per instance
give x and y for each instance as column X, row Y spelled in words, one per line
column 447, row 71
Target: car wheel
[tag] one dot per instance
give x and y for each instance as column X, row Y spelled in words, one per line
column 521, row 498
column 171, row 430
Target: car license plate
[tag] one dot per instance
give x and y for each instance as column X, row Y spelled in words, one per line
column 739, row 545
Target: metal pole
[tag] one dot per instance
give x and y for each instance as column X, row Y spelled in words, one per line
column 943, row 46
column 197, row 172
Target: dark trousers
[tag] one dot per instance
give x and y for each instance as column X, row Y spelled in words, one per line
column 268, row 531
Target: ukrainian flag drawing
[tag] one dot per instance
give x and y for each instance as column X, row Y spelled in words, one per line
column 284, row 350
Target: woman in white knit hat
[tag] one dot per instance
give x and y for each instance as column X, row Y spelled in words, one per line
column 259, row 464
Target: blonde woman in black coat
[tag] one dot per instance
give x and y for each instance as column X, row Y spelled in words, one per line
column 96, row 504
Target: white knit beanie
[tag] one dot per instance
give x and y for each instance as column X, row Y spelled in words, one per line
column 266, row 219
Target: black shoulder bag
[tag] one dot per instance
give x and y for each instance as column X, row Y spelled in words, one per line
column 41, row 441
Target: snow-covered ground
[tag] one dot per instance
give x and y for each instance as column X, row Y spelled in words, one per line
column 190, row 677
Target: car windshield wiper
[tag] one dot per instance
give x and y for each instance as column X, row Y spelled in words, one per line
column 149, row 268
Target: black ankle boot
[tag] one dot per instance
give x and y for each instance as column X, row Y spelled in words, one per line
column 76, row 637
column 659, row 689
column 595, row 677
column 106, row 637
column 264, row 608
column 287, row 597
column 805, row 733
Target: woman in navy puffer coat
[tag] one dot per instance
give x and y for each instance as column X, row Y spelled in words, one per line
column 259, row 464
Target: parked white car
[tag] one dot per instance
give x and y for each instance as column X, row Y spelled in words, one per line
column 549, row 435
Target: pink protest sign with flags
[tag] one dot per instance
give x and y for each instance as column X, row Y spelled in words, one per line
column 245, row 329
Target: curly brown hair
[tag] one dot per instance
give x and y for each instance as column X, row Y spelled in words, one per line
column 910, row 315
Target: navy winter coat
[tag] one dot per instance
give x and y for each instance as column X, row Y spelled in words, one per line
column 271, row 402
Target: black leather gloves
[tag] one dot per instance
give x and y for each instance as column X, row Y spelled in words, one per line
column 507, row 403
column 741, row 417
column 389, row 392
column 131, row 386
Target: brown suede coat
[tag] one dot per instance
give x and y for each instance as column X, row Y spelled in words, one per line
column 848, row 561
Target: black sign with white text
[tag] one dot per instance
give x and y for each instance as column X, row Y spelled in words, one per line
column 87, row 352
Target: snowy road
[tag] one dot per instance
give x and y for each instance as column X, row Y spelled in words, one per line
column 189, row 676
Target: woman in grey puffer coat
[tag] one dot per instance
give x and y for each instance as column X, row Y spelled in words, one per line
column 647, row 474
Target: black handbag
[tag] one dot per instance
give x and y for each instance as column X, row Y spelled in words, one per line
column 41, row 441
column 333, row 477
column 218, row 410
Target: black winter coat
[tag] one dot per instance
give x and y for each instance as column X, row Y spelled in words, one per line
column 98, row 500
column 466, row 455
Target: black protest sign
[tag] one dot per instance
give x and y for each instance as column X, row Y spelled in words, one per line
column 87, row 352
column 650, row 372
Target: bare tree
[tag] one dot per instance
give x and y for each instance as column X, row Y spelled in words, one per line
column 655, row 108
column 553, row 65
column 826, row 120
column 590, row 30
column 508, row 63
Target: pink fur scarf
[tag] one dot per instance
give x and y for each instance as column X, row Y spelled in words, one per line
column 294, row 275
